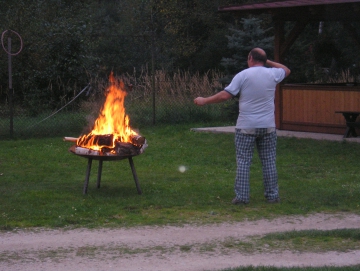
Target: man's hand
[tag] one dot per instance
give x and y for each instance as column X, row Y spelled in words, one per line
column 217, row 98
column 200, row 101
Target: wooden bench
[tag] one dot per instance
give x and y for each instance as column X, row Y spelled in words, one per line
column 351, row 123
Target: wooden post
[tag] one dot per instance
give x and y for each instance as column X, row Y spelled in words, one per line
column 279, row 38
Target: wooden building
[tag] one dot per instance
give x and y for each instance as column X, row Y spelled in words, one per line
column 305, row 107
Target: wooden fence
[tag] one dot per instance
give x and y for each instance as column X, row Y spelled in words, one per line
column 311, row 108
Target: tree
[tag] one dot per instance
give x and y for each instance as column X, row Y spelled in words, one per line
column 66, row 42
column 251, row 34
column 54, row 59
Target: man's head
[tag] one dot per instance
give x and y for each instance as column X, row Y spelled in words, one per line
column 257, row 57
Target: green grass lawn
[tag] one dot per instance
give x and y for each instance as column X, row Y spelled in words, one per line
column 41, row 182
column 328, row 268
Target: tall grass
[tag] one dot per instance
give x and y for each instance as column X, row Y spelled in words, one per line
column 342, row 77
column 171, row 101
column 177, row 84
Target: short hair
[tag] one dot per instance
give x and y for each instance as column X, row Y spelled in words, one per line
column 258, row 55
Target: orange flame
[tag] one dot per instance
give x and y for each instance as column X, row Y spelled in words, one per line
column 112, row 120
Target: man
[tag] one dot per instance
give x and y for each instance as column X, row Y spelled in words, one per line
column 256, row 122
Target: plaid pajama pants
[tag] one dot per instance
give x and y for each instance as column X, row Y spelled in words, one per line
column 266, row 147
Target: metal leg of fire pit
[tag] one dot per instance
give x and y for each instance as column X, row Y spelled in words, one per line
column 87, row 176
column 99, row 173
column 88, row 169
column 135, row 175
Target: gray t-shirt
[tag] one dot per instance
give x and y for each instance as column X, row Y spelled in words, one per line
column 256, row 86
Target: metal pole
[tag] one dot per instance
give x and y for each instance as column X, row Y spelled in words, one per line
column 11, row 104
column 153, row 67
column 135, row 175
column 87, row 176
column 153, row 79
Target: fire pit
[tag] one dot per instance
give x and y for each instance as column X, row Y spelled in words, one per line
column 111, row 138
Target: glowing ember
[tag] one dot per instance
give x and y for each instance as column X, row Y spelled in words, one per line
column 112, row 124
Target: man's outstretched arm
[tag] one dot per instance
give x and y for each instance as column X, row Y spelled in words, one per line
column 217, row 98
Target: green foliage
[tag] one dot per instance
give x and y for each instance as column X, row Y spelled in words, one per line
column 68, row 42
column 54, row 58
column 323, row 57
column 249, row 35
column 299, row 58
column 325, row 52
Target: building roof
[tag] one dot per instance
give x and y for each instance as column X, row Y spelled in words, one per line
column 319, row 10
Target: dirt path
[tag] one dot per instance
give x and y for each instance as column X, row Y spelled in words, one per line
column 166, row 248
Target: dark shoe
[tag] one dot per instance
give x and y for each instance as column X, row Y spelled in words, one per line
column 239, row 201
column 277, row 200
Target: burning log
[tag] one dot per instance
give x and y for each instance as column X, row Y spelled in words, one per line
column 96, row 140
column 125, row 149
column 70, row 139
column 106, row 140
column 121, row 150
column 137, row 140
column 106, row 146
